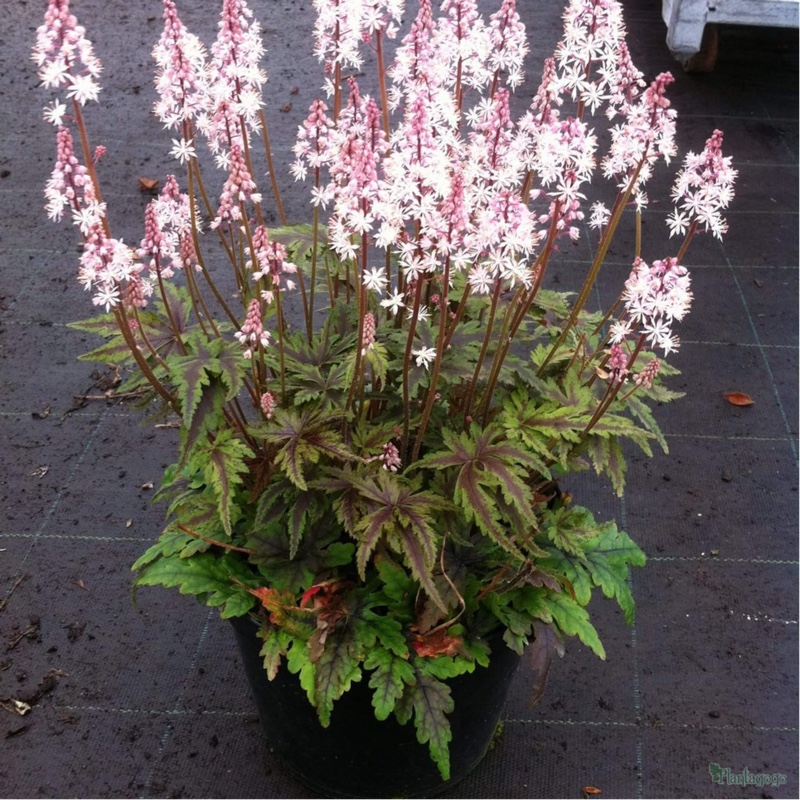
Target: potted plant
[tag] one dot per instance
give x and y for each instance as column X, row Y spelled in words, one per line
column 378, row 407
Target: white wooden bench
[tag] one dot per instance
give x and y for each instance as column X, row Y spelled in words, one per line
column 687, row 19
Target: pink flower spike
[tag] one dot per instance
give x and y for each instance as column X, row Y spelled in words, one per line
column 236, row 89
column 252, row 333
column 655, row 296
column 703, row 188
column 64, row 56
column 509, row 42
column 239, row 187
column 181, row 77
column 152, row 245
column 68, row 180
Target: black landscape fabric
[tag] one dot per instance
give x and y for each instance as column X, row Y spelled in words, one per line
column 151, row 701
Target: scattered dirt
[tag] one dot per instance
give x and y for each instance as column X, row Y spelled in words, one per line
column 31, row 632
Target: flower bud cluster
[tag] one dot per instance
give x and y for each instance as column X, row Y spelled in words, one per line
column 368, row 336
column 268, row 404
column 271, row 262
column 252, row 333
column 238, row 188
column 391, row 457
column 648, row 374
column 68, row 179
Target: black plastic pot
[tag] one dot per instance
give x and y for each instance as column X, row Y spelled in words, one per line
column 358, row 756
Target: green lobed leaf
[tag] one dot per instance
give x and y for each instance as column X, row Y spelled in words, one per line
column 224, row 467
column 573, row 620
column 384, row 629
column 485, row 466
column 276, row 644
column 205, row 419
column 302, row 510
column 104, row 325
column 397, row 585
column 115, row 351
column 191, row 373
column 607, row 558
column 207, row 577
column 444, row 667
column 335, row 671
column 421, row 567
column 389, row 679
column 607, row 458
column 299, row 663
column 431, row 701
column 230, row 365
column 170, row 543
column 573, row 569
column 642, row 412
column 317, row 551
column 303, row 437
column 400, row 514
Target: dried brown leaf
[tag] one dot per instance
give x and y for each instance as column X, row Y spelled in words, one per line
column 45, row 685
column 739, row 399
column 20, row 707
column 541, row 652
column 43, row 414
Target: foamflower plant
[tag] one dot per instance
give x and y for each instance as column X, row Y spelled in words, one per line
column 381, row 405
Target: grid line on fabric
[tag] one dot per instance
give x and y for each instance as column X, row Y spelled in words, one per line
column 754, row 330
column 712, row 559
column 54, row 504
column 643, row 725
column 170, row 728
column 772, row 120
column 158, row 712
column 637, row 689
column 705, row 558
column 508, row 720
